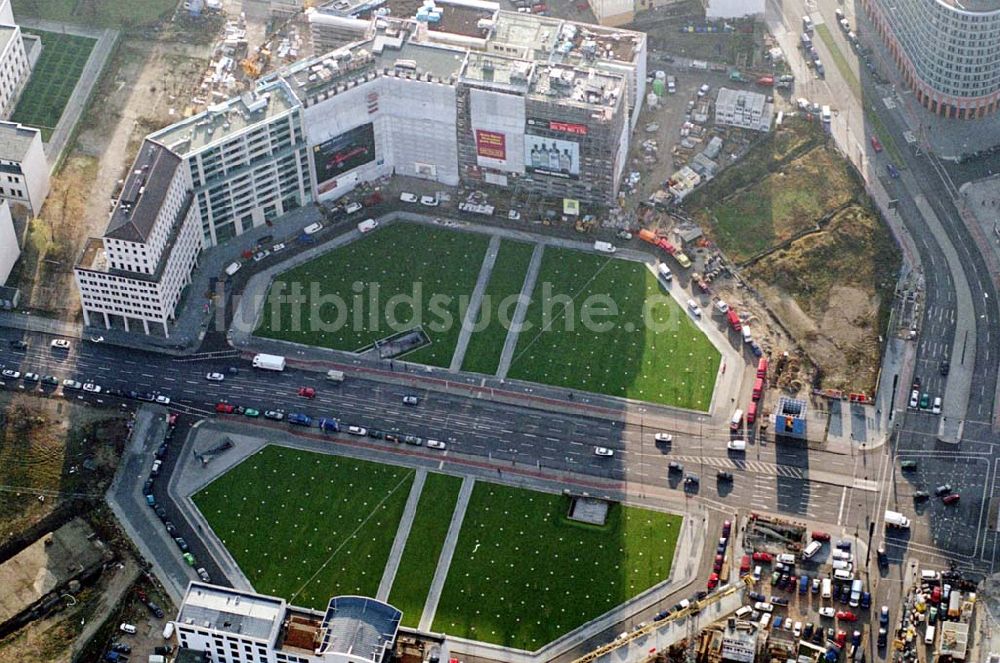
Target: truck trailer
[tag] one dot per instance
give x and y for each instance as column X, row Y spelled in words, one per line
column 269, row 362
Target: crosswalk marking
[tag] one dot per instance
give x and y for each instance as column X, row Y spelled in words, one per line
column 755, row 466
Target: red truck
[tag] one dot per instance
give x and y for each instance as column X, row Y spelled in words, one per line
column 734, row 320
column 762, row 367
column 766, row 81
column 758, row 388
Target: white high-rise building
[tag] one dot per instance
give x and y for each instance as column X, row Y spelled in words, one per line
column 138, row 269
column 24, row 170
column 14, row 65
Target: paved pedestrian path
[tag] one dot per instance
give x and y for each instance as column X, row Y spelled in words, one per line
column 447, row 552
column 521, row 312
column 475, row 303
column 402, row 534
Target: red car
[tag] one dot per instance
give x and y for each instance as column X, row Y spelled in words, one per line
column 951, row 499
column 719, row 561
column 744, row 563
column 875, row 144
column 841, row 639
column 762, row 557
column 307, row 392
column 224, row 408
column 820, row 536
column 846, row 616
column 936, row 595
column 713, row 581
column 727, row 528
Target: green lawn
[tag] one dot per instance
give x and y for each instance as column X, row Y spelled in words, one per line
column 52, row 80
column 103, row 13
column 486, row 344
column 308, row 526
column 417, row 276
column 669, row 361
column 522, row 574
column 423, row 546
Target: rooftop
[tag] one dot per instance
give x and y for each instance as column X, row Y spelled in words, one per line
column 15, row 139
column 573, row 42
column 7, row 33
column 360, row 627
column 496, row 71
column 231, row 611
column 590, row 88
column 461, row 17
column 143, row 194
column 226, row 118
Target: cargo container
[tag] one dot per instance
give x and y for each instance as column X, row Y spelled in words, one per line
column 752, row 413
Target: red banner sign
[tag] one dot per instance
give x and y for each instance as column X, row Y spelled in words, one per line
column 569, row 128
column 491, row 145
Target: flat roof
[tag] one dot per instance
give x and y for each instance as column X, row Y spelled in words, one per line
column 15, row 140
column 7, row 33
column 231, row 611
column 569, row 84
column 142, row 196
column 572, row 42
column 496, row 71
column 229, row 117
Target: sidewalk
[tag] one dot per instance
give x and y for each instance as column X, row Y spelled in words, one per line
column 402, row 534
column 475, row 303
column 447, row 552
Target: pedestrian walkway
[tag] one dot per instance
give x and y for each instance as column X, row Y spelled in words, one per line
column 447, row 552
column 521, row 312
column 475, row 303
column 402, row 534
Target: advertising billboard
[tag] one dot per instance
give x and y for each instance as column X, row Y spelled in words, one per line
column 342, row 153
column 551, row 156
column 561, row 127
column 491, row 144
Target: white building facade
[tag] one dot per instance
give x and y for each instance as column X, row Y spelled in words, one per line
column 24, row 170
column 10, row 249
column 138, row 270
column 14, row 66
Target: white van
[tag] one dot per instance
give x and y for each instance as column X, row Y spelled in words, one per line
column 786, row 558
column 747, row 336
column 756, row 573
column 827, row 590
column 737, row 420
column 605, row 247
column 736, row 445
column 312, row 228
column 826, row 114
column 233, row 268
column 744, row 611
column 664, row 272
column 855, row 597
column 929, row 635
column 843, row 574
column 841, row 564
column 694, row 308
column 367, row 225
column 811, row 550
column 927, row 575
column 765, row 619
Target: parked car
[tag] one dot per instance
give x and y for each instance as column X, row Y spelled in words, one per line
column 351, row 208
column 942, row 490
column 876, row 145
column 761, row 556
column 60, row 344
column 357, row 430
column 215, row 377
column 951, row 499
column 827, row 611
column 663, row 437
column 127, row 628
column 274, row 415
column 846, row 616
column 408, row 197
column 11, row 373
column 429, row 201
column 436, row 444
column 162, row 399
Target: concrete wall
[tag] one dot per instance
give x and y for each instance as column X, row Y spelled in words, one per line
column 9, row 248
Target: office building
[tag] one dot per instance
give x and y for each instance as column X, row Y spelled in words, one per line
column 947, row 51
column 14, row 66
column 139, row 268
column 532, row 104
column 743, row 109
column 232, row 626
column 10, row 249
column 24, row 171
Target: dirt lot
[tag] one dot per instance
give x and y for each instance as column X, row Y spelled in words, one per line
column 146, row 86
column 52, row 450
column 796, row 220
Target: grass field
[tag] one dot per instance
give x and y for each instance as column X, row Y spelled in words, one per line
column 486, row 344
column 52, row 80
column 523, row 574
column 781, row 204
column 101, row 13
column 423, row 546
column 308, row 526
column 419, row 276
column 670, row 362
